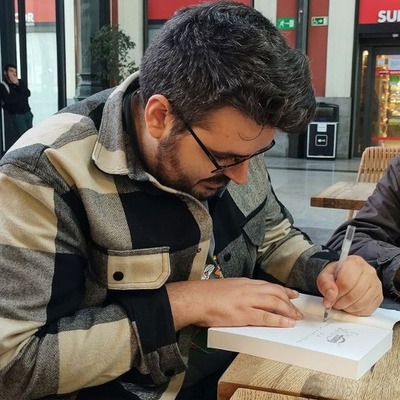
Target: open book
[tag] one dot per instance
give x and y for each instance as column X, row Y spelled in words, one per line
column 344, row 345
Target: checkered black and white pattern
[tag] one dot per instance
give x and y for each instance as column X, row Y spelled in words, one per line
column 88, row 240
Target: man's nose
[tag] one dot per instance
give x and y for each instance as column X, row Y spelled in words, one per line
column 238, row 173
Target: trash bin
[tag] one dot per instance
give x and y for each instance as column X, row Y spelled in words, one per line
column 297, row 145
column 322, row 132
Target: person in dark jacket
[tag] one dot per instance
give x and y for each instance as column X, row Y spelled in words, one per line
column 377, row 235
column 14, row 99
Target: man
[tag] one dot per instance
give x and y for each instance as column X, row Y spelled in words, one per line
column 377, row 234
column 14, row 99
column 117, row 210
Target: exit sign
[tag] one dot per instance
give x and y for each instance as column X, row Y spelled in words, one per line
column 319, row 21
column 286, row 23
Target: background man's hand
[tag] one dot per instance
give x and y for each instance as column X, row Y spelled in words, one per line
column 232, row 302
column 356, row 290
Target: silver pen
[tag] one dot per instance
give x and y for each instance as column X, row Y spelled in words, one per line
column 348, row 239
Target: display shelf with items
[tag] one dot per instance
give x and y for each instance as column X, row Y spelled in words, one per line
column 380, row 103
column 386, row 112
column 393, row 106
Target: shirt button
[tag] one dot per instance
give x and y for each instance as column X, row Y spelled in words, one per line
column 227, row 256
column 118, row 276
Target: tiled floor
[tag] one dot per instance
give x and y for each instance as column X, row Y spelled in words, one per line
column 295, row 180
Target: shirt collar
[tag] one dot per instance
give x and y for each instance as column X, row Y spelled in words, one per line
column 113, row 152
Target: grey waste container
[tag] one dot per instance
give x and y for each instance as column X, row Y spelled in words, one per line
column 297, row 144
column 322, row 132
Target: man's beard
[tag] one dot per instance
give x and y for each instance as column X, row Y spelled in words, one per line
column 170, row 173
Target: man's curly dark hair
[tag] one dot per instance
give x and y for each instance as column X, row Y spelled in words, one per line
column 221, row 54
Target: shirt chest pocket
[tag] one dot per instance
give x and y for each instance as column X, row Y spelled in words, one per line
column 131, row 269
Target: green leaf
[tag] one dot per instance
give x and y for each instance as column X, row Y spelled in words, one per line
column 110, row 48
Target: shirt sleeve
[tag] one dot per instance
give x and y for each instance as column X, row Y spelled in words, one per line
column 57, row 333
column 377, row 235
column 287, row 254
column 22, row 89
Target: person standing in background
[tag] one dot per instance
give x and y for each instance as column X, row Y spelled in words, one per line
column 14, row 99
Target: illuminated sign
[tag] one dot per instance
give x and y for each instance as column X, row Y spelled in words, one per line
column 285, row 23
column 162, row 9
column 37, row 11
column 379, row 12
column 388, row 16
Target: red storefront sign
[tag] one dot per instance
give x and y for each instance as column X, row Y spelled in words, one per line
column 162, row 9
column 37, row 11
column 379, row 11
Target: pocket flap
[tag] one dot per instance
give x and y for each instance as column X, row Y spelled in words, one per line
column 138, row 269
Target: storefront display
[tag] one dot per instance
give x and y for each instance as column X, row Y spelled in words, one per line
column 386, row 113
column 377, row 89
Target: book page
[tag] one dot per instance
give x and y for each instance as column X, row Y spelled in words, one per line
column 344, row 345
column 330, row 337
column 312, row 305
column 334, row 336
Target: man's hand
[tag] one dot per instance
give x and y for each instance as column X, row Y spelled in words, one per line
column 232, row 302
column 356, row 290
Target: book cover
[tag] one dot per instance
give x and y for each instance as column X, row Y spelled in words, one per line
column 344, row 345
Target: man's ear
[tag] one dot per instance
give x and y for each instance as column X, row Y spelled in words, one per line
column 158, row 117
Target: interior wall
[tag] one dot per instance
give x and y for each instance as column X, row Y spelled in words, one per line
column 131, row 21
column 267, row 8
column 339, row 64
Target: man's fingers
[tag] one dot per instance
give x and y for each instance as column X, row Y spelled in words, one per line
column 235, row 302
column 361, row 294
column 361, row 303
column 330, row 297
column 275, row 289
column 271, row 319
column 277, row 301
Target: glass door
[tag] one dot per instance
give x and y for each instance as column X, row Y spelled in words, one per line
column 39, row 54
column 378, row 116
column 386, row 113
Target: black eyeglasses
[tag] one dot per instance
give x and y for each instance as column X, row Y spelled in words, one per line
column 217, row 165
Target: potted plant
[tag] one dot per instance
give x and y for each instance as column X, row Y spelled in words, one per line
column 110, row 48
